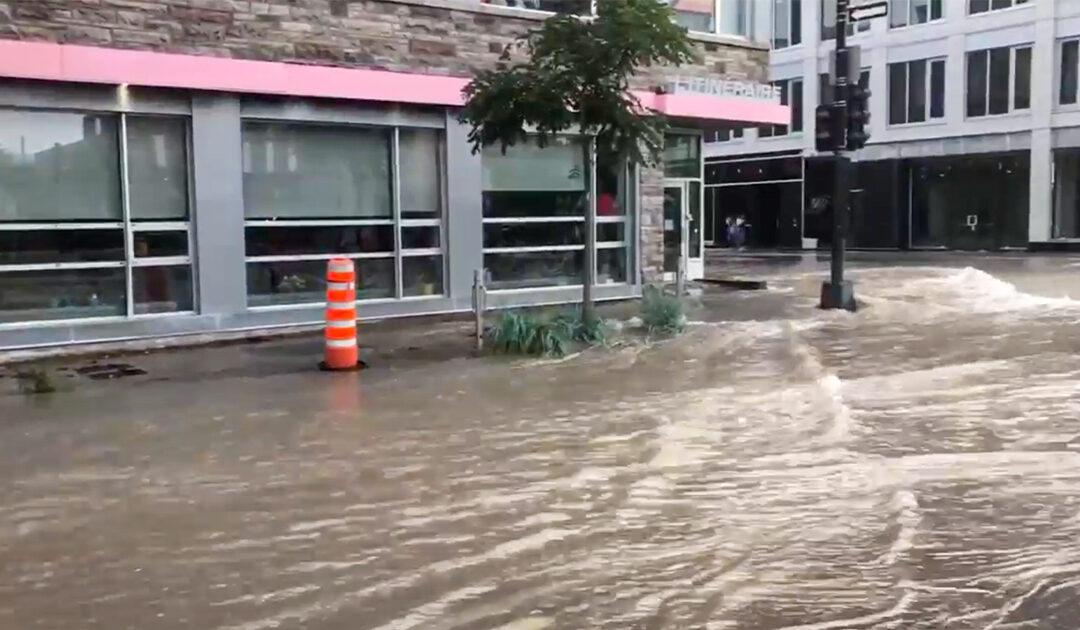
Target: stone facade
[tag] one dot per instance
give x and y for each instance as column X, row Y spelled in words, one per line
column 446, row 37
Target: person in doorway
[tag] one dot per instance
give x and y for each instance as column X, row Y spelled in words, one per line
column 607, row 205
column 738, row 233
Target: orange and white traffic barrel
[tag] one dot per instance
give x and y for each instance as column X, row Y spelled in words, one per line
column 341, row 350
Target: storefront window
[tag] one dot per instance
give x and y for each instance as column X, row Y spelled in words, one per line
column 314, row 192
column 614, row 220
column 1067, row 193
column 535, row 201
column 970, row 202
column 66, row 213
column 682, row 156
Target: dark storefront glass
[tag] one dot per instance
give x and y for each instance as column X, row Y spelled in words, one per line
column 521, row 270
column 1067, row 193
column 303, row 240
column 162, row 289
column 682, row 156
column 877, row 199
column 301, row 281
column 422, row 275
column 30, row 247
column 62, row 294
column 747, row 171
column 970, row 202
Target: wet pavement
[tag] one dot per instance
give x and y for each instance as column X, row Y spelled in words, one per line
column 914, row 465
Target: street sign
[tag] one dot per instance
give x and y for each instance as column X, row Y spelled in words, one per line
column 868, row 11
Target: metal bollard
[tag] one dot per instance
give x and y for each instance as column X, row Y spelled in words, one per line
column 479, row 304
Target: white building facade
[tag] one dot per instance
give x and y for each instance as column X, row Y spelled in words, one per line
column 975, row 129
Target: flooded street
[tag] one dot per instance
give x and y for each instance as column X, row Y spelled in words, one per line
column 914, row 465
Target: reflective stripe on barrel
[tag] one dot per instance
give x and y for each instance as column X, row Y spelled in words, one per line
column 340, row 333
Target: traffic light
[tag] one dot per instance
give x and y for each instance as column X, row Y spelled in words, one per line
column 829, row 127
column 858, row 117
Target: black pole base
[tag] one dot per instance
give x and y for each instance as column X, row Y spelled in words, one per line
column 835, row 296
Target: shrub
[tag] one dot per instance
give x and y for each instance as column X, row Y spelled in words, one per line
column 36, row 381
column 521, row 333
column 661, row 313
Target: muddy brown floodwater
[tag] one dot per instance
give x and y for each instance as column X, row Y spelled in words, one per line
column 911, row 466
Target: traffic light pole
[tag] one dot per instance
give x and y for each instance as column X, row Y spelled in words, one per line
column 838, row 293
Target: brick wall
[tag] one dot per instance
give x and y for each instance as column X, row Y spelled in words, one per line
column 452, row 37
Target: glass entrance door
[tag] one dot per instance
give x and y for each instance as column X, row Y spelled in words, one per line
column 682, row 207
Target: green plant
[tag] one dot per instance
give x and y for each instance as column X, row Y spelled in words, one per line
column 36, row 381
column 522, row 333
column 594, row 331
column 661, row 313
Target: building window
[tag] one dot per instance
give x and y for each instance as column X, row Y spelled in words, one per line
column 695, row 15
column 724, row 135
column 535, row 201
column 982, row 6
column 825, row 86
column 787, row 23
column 314, row 192
column 93, row 216
column 998, row 81
column 791, row 93
column 736, row 17
column 916, row 91
column 911, row 12
column 1069, row 71
column 828, row 22
column 572, row 7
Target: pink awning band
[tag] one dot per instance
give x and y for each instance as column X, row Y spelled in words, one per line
column 90, row 64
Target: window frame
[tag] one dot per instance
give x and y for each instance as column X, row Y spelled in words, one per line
column 582, row 144
column 1060, row 74
column 1012, row 109
column 126, row 224
column 909, row 21
column 714, row 19
column 1013, row 4
column 928, row 84
column 788, row 91
column 789, row 23
column 395, row 221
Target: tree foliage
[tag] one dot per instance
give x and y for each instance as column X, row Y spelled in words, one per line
column 574, row 73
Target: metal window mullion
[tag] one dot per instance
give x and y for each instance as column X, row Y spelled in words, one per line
column 24, row 227
column 165, row 226
column 103, row 264
column 427, row 251
column 161, row 261
column 543, row 219
column 529, row 249
column 311, row 257
column 316, row 222
column 716, row 16
column 395, row 183
column 125, row 202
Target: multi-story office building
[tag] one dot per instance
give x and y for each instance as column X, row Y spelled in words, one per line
column 975, row 130
column 184, row 166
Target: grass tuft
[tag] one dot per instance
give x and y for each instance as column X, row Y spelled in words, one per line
column 662, row 313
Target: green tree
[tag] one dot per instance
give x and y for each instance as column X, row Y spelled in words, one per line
column 573, row 74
